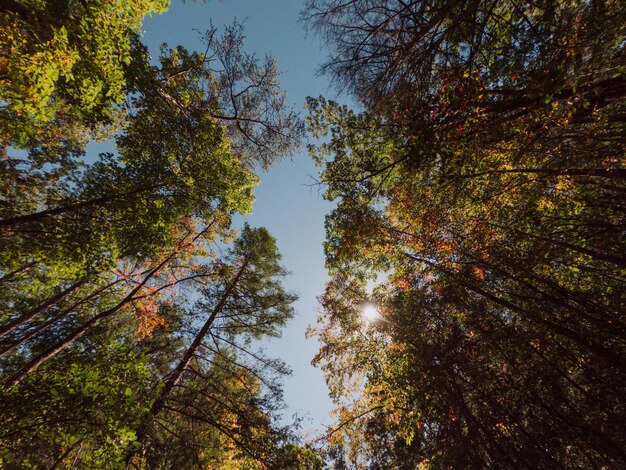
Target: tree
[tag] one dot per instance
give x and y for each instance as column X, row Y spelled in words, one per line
column 99, row 345
column 65, row 58
column 244, row 301
column 485, row 179
column 175, row 178
column 199, row 394
column 81, row 409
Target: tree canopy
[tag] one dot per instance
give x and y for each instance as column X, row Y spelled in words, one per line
column 110, row 264
column 474, row 312
column 484, row 181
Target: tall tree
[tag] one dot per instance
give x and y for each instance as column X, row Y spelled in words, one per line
column 242, row 302
column 175, row 178
column 95, row 252
column 65, row 61
column 485, row 179
column 207, row 398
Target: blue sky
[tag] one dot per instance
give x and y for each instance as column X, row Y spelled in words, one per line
column 286, row 203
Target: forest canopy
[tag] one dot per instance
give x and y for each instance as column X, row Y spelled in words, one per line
column 130, row 306
column 474, row 311
column 483, row 179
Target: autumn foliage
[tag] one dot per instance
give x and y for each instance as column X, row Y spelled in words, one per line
column 484, row 183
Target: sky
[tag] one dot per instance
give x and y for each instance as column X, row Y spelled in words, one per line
column 287, row 203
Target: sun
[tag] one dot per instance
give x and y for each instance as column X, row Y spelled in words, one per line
column 370, row 313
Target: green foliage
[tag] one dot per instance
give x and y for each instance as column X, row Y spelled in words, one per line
column 80, row 408
column 67, row 54
column 66, row 222
column 99, row 256
column 216, row 406
column 218, row 412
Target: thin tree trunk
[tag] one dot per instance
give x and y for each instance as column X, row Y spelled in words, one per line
column 54, row 350
column 611, row 357
column 617, row 260
column 175, row 375
column 67, row 453
column 101, row 201
column 54, row 319
column 12, row 325
column 9, row 277
column 611, row 173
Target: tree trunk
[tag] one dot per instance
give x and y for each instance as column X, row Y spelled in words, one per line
column 175, row 375
column 54, row 319
column 54, row 350
column 611, row 173
column 101, row 201
column 610, row 357
column 12, row 325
